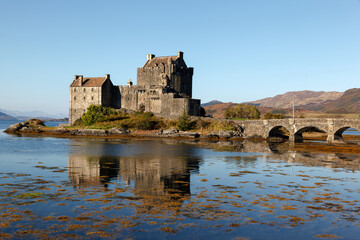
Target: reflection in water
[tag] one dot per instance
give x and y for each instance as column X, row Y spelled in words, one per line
column 151, row 172
column 122, row 189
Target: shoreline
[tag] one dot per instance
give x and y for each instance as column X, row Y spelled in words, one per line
column 194, row 137
column 35, row 128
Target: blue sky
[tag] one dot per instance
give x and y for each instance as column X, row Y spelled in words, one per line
column 241, row 50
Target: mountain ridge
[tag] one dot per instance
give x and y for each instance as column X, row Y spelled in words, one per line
column 301, row 98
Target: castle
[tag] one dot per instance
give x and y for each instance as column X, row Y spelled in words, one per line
column 164, row 87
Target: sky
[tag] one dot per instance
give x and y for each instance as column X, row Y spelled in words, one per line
column 241, row 50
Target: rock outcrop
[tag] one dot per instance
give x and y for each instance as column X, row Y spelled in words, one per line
column 31, row 125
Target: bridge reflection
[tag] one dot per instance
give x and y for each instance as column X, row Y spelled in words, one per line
column 165, row 167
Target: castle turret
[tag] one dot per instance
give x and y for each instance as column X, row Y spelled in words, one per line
column 150, row 56
column 180, row 54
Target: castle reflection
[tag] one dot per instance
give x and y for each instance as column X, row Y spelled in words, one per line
column 161, row 168
column 152, row 168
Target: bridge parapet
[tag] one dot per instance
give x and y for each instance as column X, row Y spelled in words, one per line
column 262, row 128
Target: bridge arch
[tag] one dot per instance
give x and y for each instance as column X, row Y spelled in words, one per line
column 279, row 132
column 298, row 135
column 338, row 134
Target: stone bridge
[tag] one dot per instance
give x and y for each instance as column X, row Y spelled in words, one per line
column 271, row 128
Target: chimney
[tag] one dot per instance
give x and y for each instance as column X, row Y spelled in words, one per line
column 150, row 56
column 180, row 54
column 107, row 76
column 130, row 83
column 81, row 80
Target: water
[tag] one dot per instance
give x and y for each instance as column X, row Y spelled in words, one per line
column 171, row 189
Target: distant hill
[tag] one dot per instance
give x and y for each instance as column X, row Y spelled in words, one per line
column 211, row 103
column 302, row 98
column 349, row 102
column 4, row 116
column 217, row 110
column 25, row 115
column 305, row 101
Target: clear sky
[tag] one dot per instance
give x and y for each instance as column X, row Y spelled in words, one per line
column 241, row 50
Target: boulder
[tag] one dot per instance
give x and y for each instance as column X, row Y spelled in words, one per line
column 189, row 134
column 118, row 131
column 225, row 134
column 170, row 132
column 31, row 125
column 15, row 127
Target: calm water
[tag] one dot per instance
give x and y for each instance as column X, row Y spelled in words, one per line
column 99, row 188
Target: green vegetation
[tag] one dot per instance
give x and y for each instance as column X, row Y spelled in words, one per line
column 185, row 123
column 269, row 115
column 29, row 195
column 96, row 114
column 100, row 117
column 242, row 111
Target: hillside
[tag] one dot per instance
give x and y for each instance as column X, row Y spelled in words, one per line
column 217, row 110
column 302, row 98
column 4, row 116
column 213, row 102
column 349, row 102
column 306, row 102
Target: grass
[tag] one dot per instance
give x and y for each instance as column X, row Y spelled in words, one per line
column 147, row 121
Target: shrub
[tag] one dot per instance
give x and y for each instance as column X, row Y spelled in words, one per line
column 185, row 123
column 269, row 115
column 222, row 126
column 96, row 113
column 141, row 121
column 200, row 123
column 245, row 111
column 145, row 121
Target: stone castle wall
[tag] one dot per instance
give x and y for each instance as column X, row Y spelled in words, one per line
column 81, row 98
column 164, row 88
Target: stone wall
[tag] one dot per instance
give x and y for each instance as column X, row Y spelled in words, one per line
column 81, row 98
column 333, row 127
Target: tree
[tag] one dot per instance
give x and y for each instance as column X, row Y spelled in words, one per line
column 245, row 111
column 185, row 123
column 269, row 115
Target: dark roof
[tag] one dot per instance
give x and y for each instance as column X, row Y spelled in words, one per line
column 89, row 82
column 157, row 61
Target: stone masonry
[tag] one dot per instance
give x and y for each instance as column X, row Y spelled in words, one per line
column 296, row 127
column 164, row 87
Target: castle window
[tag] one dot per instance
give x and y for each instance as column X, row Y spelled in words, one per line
column 84, row 90
column 134, row 91
column 74, row 89
column 92, row 89
column 84, row 98
column 74, row 110
column 74, row 98
column 129, row 92
column 92, row 98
